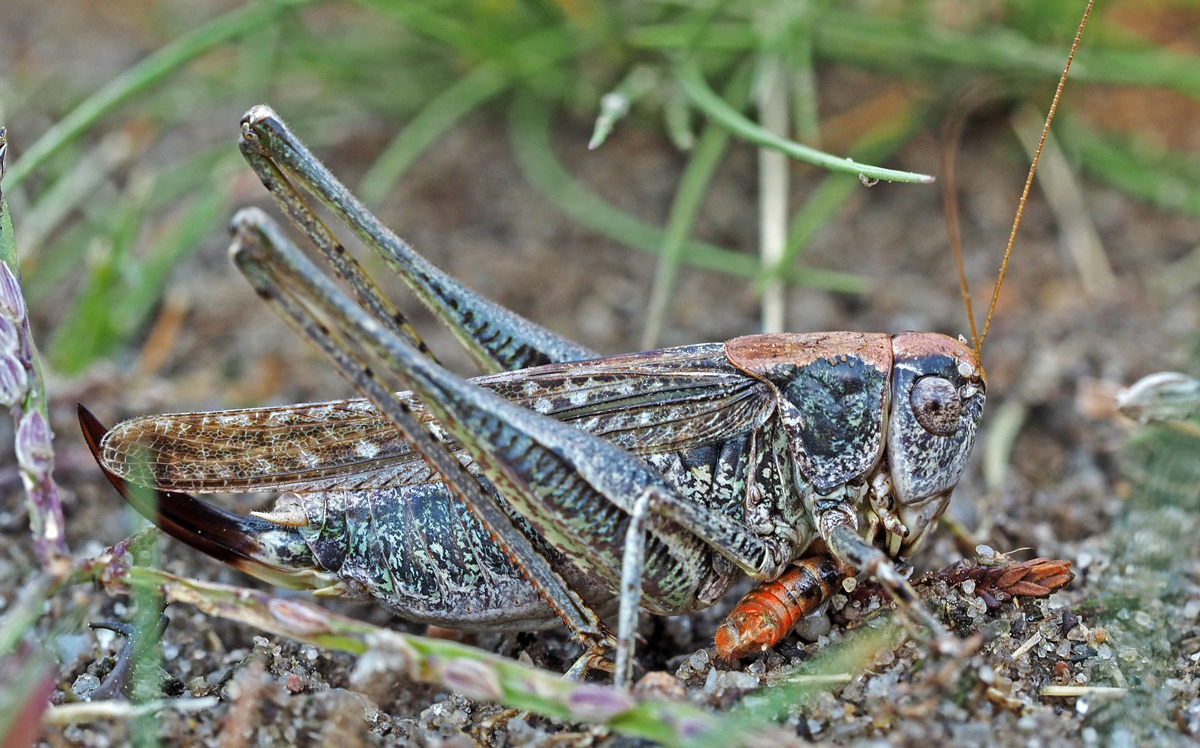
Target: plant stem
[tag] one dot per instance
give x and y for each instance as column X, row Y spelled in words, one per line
column 714, row 106
column 693, row 186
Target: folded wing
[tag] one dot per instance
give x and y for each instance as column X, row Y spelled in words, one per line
column 660, row 401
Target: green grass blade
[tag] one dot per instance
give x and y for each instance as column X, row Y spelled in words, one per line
column 525, row 59
column 424, row 19
column 717, row 108
column 89, row 325
column 58, row 262
column 8, row 239
column 616, row 103
column 137, row 302
column 529, row 122
column 836, row 189
column 29, row 680
column 693, row 186
column 1165, row 180
column 892, row 44
column 467, row 94
column 770, row 704
column 120, row 291
column 677, row 117
column 903, row 46
column 144, row 75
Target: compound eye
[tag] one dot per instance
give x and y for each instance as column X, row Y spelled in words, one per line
column 936, row 406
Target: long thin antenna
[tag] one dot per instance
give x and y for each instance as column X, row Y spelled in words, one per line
column 1029, row 180
column 952, row 139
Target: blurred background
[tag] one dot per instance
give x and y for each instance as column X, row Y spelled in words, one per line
column 466, row 124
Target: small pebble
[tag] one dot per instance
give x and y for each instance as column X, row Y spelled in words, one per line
column 439, row 632
column 104, row 637
column 1191, row 609
column 294, row 683
column 736, row 680
column 884, row 658
column 197, row 686
column 84, row 686
column 661, row 686
column 813, row 626
column 1068, row 621
column 1083, row 704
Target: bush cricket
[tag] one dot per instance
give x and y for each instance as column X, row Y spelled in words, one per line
column 562, row 487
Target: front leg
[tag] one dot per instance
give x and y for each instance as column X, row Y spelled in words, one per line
column 837, row 524
column 768, row 613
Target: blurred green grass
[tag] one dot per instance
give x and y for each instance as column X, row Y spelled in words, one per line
column 425, row 65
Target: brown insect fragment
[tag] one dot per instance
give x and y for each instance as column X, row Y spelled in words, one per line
column 1037, row 577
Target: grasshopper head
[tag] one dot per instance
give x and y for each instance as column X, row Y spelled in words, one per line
column 938, row 392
